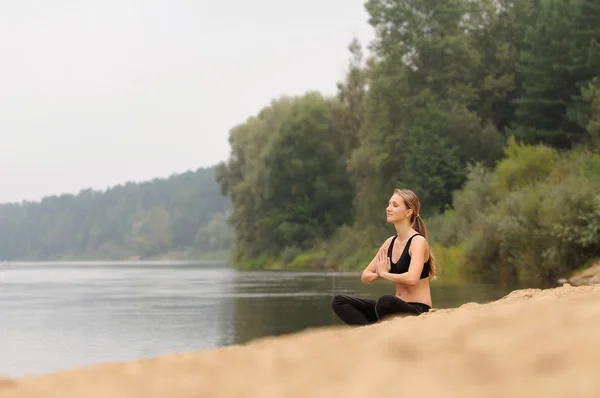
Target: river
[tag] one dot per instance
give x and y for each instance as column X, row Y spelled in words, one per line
column 55, row 316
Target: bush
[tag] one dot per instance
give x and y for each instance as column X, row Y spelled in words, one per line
column 310, row 260
column 537, row 233
column 523, row 165
column 354, row 247
column 590, row 167
column 289, row 254
column 453, row 225
column 448, row 262
column 536, row 218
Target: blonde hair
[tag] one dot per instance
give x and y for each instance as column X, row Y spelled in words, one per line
column 411, row 200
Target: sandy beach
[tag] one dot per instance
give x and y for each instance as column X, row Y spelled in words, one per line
column 531, row 343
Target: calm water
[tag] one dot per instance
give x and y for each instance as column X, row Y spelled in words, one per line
column 56, row 315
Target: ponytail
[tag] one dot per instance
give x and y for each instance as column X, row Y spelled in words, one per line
column 412, row 202
column 419, row 226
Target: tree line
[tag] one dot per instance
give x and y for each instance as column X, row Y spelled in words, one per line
column 448, row 93
column 180, row 216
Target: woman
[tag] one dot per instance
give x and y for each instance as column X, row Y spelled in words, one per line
column 404, row 259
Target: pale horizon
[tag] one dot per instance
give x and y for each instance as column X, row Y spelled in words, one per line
column 98, row 94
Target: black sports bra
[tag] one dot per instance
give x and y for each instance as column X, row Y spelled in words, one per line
column 404, row 261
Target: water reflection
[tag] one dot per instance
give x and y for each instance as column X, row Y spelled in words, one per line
column 275, row 303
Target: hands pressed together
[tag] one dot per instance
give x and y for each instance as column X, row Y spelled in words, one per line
column 382, row 262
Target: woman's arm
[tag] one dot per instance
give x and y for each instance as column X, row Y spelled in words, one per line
column 419, row 250
column 370, row 275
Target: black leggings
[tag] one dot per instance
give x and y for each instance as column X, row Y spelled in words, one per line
column 357, row 311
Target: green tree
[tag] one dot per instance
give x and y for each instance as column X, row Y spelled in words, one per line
column 307, row 190
column 216, row 235
column 497, row 28
column 241, row 177
column 351, row 94
column 560, row 56
column 420, row 129
column 286, row 176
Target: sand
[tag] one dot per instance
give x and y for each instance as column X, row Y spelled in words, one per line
column 532, row 343
column 588, row 276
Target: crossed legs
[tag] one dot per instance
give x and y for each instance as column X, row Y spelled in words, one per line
column 358, row 311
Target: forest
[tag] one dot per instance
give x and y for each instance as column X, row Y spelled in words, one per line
column 180, row 217
column 489, row 110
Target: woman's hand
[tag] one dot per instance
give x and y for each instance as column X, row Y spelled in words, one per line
column 383, row 264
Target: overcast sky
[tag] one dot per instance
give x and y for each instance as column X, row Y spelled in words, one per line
column 97, row 93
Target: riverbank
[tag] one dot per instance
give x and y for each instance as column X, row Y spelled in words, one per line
column 531, row 343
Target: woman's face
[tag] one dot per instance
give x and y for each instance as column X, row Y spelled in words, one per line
column 396, row 210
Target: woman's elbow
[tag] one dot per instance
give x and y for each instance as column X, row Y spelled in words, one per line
column 412, row 281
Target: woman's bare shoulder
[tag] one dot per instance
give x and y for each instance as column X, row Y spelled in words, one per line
column 420, row 238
